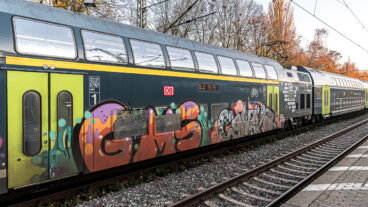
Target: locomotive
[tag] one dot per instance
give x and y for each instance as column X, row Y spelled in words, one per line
column 82, row 94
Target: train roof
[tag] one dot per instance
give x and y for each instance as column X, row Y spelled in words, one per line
column 46, row 13
column 322, row 78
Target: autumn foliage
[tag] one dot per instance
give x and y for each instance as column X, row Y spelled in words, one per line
column 237, row 24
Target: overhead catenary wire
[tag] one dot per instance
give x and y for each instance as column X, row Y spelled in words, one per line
column 325, row 23
column 352, row 12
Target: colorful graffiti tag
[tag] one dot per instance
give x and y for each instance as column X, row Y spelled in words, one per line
column 101, row 150
column 243, row 120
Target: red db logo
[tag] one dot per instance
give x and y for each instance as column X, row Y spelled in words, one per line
column 168, row 90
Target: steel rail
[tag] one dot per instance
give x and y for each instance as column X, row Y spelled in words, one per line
column 296, row 188
column 190, row 200
column 62, row 189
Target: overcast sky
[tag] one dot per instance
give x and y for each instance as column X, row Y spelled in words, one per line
column 336, row 14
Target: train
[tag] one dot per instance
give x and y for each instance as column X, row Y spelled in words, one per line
column 83, row 94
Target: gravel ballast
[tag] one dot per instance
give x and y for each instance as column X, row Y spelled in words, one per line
column 173, row 187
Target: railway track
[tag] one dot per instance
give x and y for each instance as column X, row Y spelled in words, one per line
column 276, row 181
column 66, row 188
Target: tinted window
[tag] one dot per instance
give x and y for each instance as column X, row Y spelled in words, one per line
column 271, row 72
column 258, row 70
column 180, row 58
column 147, row 54
column 65, row 119
column 302, row 101
column 334, row 81
column 308, row 101
column 345, row 83
column 244, row 68
column 206, row 62
column 300, row 77
column 44, row 39
column 31, row 123
column 227, row 66
column 340, row 82
column 306, row 78
column 104, row 48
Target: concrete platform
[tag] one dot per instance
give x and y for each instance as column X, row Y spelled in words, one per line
column 345, row 184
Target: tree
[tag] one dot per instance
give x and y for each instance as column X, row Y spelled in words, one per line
column 319, row 56
column 108, row 9
column 281, row 34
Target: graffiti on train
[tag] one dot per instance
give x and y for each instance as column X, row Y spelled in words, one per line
column 101, row 147
column 246, row 119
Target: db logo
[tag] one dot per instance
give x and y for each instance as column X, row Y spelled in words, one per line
column 168, row 90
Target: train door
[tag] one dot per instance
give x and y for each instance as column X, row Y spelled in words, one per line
column 273, row 98
column 325, row 100
column 41, row 109
column 366, row 99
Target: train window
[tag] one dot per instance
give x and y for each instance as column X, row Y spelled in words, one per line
column 244, row 68
column 227, row 66
column 64, row 118
column 289, row 74
column 167, row 123
column 306, row 78
column 308, row 101
column 104, row 48
column 180, row 58
column 130, row 123
column 258, row 70
column 302, row 101
column 334, row 81
column 345, row 83
column 216, row 110
column 147, row 53
column 271, row 72
column 338, row 82
column 31, row 123
column 270, row 99
column 206, row 62
column 44, row 39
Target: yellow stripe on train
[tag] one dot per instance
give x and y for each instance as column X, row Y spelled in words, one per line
column 10, row 60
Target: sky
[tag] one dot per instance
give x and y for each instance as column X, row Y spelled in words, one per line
column 337, row 15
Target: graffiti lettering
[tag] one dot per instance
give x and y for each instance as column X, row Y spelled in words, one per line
column 101, row 150
column 240, row 120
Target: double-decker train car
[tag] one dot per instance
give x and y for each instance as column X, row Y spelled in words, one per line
column 82, row 94
column 335, row 94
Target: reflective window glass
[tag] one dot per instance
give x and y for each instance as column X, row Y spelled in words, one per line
column 44, row 39
column 206, row 62
column 227, row 65
column 31, row 123
column 258, row 70
column 147, row 54
column 180, row 58
column 64, row 119
column 271, row 72
column 104, row 48
column 244, row 68
column 345, row 83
